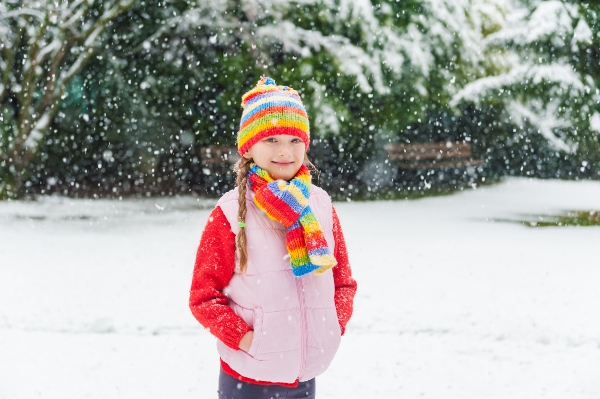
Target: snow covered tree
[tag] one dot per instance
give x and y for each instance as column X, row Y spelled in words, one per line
column 367, row 70
column 547, row 88
column 205, row 55
column 44, row 44
column 168, row 78
column 172, row 74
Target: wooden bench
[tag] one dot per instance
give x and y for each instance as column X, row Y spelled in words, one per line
column 431, row 155
column 219, row 155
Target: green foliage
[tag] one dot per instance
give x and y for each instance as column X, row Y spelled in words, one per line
column 547, row 95
column 170, row 77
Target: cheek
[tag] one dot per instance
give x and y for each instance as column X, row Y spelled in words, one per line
column 259, row 153
column 300, row 151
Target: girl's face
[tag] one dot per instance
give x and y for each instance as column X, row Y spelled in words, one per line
column 281, row 155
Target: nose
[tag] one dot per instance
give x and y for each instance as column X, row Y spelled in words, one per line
column 284, row 150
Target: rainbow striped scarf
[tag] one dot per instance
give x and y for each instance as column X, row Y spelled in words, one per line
column 287, row 203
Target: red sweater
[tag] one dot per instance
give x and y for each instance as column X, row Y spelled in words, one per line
column 210, row 305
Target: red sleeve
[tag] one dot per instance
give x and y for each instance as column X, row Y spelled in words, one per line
column 345, row 285
column 214, row 267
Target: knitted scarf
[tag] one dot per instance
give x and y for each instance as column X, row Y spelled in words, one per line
column 287, row 203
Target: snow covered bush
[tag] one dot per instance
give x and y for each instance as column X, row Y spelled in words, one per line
column 548, row 89
column 517, row 79
column 367, row 70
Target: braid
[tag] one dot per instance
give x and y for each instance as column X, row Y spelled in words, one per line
column 241, row 168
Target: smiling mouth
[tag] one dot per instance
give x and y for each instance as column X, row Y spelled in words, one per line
column 282, row 163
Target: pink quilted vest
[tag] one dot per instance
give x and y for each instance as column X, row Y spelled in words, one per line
column 296, row 329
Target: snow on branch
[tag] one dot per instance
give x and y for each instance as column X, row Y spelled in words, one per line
column 595, row 122
column 560, row 75
column 65, row 77
column 551, row 20
column 91, row 39
column 51, row 48
column 70, row 8
column 327, row 116
column 414, row 44
column 546, row 120
column 199, row 17
column 582, row 33
column 23, row 11
column 299, row 40
column 37, row 133
column 352, row 59
column 73, row 18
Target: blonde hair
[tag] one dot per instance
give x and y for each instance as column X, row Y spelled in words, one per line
column 241, row 168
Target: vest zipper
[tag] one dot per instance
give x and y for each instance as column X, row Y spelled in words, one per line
column 303, row 337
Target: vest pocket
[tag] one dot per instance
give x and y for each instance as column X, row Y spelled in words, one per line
column 254, row 318
column 257, row 322
column 278, row 332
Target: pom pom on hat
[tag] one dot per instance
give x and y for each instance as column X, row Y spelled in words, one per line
column 270, row 110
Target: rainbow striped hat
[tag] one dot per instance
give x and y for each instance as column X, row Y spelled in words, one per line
column 270, row 110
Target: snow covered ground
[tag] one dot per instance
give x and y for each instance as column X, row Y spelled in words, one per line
column 93, row 299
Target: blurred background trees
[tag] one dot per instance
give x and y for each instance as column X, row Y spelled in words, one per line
column 161, row 79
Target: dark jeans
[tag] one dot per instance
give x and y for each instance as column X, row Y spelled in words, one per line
column 230, row 388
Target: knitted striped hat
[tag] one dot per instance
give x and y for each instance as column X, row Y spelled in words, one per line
column 270, row 110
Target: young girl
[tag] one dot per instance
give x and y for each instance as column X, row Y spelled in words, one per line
column 272, row 280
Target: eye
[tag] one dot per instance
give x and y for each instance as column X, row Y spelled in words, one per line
column 296, row 140
column 271, row 140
